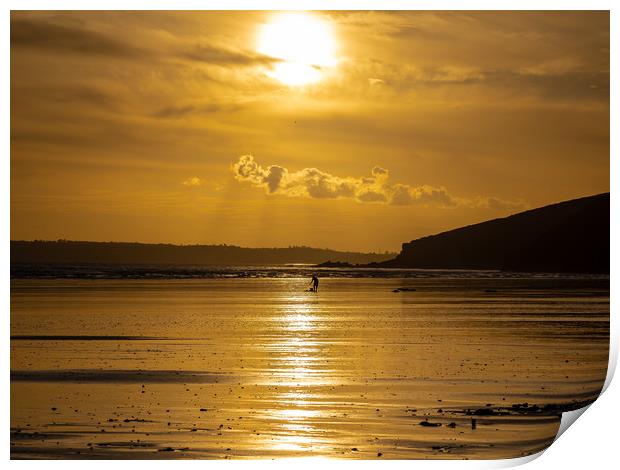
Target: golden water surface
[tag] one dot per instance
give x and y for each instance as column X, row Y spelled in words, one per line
column 261, row 368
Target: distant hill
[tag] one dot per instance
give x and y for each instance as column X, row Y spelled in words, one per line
column 571, row 236
column 81, row 252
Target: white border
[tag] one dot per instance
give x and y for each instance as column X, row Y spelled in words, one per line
column 591, row 443
column 310, row 5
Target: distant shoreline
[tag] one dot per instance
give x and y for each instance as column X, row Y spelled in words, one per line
column 567, row 237
column 133, row 253
column 103, row 271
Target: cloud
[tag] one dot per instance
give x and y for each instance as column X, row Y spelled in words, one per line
column 376, row 81
column 193, row 181
column 503, row 205
column 180, row 111
column 62, row 38
column 213, row 54
column 317, row 184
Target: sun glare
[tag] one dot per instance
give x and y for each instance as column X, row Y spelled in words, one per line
column 303, row 44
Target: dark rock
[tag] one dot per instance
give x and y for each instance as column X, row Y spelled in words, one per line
column 334, row 264
column 570, row 236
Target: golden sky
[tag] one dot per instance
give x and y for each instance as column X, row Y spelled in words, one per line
column 349, row 130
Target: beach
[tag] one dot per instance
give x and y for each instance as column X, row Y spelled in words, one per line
column 421, row 367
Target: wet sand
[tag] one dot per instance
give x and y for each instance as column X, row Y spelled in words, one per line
column 259, row 368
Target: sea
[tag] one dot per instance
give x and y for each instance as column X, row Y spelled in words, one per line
column 202, row 362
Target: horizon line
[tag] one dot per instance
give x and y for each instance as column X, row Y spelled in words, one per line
column 65, row 240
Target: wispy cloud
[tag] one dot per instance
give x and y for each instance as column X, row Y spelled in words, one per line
column 193, row 181
column 180, row 111
column 214, row 54
column 502, row 205
column 54, row 35
column 43, row 35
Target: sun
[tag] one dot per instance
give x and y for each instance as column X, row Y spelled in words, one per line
column 303, row 44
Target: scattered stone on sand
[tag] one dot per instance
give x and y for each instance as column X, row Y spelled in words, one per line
column 429, row 424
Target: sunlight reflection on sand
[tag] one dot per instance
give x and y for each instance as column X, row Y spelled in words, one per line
column 301, row 350
column 257, row 369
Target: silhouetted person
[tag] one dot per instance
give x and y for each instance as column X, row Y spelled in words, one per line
column 315, row 283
